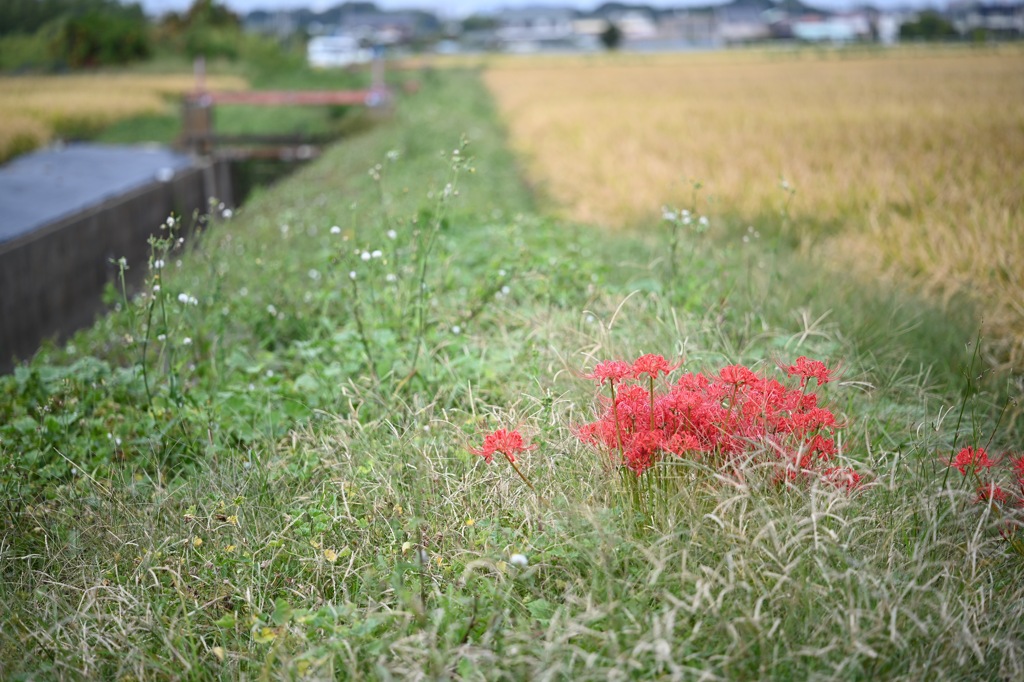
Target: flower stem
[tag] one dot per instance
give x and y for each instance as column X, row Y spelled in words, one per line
column 525, row 480
column 615, row 414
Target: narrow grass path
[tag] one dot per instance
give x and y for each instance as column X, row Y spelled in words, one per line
column 261, row 467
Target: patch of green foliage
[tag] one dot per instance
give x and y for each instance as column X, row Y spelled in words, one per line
column 24, row 17
column 52, row 35
column 929, row 25
column 258, row 464
column 75, row 34
column 102, row 38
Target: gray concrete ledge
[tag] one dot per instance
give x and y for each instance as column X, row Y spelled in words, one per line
column 53, row 272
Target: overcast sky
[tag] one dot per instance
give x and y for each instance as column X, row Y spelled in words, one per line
column 458, row 8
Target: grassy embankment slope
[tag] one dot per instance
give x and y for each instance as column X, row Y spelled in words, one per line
column 274, row 478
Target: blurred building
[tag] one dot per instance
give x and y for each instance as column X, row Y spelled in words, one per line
column 995, row 18
column 529, row 29
column 336, row 51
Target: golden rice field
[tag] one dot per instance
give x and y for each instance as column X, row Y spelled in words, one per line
column 35, row 109
column 914, row 160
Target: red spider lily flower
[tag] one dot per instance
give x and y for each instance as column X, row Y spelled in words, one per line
column 611, row 370
column 693, row 382
column 990, row 492
column 810, row 369
column 681, row 444
column 633, row 405
column 1018, row 468
column 973, row 458
column 842, row 477
column 737, row 375
column 508, row 443
column 641, row 452
column 588, row 433
column 652, row 365
column 825, row 448
column 715, row 418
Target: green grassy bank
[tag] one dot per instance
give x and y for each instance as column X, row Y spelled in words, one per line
column 260, row 466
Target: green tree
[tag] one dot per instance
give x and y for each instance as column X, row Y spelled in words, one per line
column 612, row 36
column 207, row 29
column 930, row 25
column 107, row 34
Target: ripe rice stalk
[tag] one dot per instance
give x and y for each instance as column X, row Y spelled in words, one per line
column 906, row 163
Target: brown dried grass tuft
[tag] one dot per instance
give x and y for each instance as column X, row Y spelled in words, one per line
column 912, row 157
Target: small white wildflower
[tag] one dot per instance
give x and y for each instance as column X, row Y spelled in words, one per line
column 392, row 234
column 314, row 274
column 519, row 560
column 272, row 309
column 161, row 337
column 501, row 273
column 244, row 291
column 506, row 290
column 252, row 387
column 393, row 155
column 352, row 274
column 247, row 465
column 284, row 230
column 270, row 374
column 227, row 213
column 156, row 288
column 365, row 255
column 117, row 440
column 335, row 229
column 181, row 240
column 186, row 341
column 170, row 221
column 703, row 221
column 448, row 190
column 456, row 329
column 377, row 253
column 668, row 214
column 391, row 277
column 158, row 264
column 182, row 298
column 192, row 300
column 177, row 263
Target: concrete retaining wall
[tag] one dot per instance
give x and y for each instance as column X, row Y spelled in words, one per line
column 51, row 280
